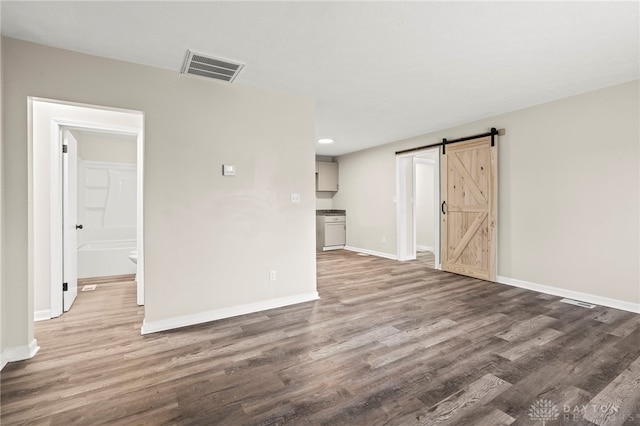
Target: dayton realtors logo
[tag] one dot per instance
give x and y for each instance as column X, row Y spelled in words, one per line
column 543, row 410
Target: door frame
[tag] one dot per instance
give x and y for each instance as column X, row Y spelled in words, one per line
column 49, row 233
column 69, row 234
column 405, row 206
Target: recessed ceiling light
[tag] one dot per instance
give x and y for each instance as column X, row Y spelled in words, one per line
column 325, row 140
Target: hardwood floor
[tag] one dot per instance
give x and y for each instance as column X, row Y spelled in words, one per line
column 427, row 257
column 389, row 342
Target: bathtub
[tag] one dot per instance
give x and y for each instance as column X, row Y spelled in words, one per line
column 104, row 258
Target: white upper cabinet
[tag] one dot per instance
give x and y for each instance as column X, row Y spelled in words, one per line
column 326, row 176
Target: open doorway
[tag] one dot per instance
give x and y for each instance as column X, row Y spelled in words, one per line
column 52, row 125
column 425, row 207
column 106, row 205
column 418, row 200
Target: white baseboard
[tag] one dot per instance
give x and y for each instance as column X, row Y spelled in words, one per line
column 329, row 248
column 199, row 318
column 42, row 315
column 19, row 353
column 424, row 248
column 585, row 297
column 372, row 252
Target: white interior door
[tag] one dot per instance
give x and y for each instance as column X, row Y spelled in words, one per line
column 69, row 219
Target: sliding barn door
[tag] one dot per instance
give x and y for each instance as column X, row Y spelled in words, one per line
column 469, row 176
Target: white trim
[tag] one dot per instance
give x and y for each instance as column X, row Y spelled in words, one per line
column 424, row 248
column 76, row 116
column 42, row 315
column 330, row 248
column 19, row 353
column 140, row 215
column 217, row 314
column 576, row 295
column 371, row 252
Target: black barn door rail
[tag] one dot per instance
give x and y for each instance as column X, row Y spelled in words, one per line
column 493, row 133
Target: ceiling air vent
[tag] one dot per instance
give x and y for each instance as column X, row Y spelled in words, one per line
column 211, row 67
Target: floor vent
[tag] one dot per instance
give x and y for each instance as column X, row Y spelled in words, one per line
column 578, row 303
column 89, row 287
column 211, row 67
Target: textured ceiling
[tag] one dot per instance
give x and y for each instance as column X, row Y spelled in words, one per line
column 378, row 71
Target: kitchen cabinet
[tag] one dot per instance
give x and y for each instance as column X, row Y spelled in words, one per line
column 331, row 231
column 326, row 176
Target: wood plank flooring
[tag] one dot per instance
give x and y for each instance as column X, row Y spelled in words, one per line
column 427, row 257
column 388, row 343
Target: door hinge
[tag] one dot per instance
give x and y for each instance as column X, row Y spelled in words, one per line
column 65, row 286
column 64, row 149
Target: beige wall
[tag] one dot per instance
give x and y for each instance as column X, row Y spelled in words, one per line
column 568, row 192
column 94, row 146
column 367, row 190
column 202, row 230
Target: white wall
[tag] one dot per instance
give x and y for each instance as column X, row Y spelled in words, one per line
column 568, row 193
column 202, row 229
column 425, row 209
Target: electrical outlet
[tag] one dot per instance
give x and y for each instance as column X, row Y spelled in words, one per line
column 384, row 239
column 272, row 275
column 295, row 198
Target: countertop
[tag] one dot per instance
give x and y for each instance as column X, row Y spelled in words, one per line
column 331, row 212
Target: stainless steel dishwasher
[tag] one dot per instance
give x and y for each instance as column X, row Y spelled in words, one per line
column 331, row 229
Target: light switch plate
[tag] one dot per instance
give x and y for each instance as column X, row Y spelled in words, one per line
column 295, row 198
column 228, row 170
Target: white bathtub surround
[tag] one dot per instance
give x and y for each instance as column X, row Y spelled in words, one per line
column 107, row 211
column 105, row 258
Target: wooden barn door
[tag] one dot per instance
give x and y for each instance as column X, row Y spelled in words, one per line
column 469, row 182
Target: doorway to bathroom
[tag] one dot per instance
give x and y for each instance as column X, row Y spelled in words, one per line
column 425, row 207
column 106, row 203
column 70, row 227
column 418, row 200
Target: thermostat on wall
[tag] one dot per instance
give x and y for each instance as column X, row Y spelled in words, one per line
column 228, row 170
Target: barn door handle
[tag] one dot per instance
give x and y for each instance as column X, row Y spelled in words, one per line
column 444, row 203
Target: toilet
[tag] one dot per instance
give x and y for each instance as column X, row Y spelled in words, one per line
column 133, row 256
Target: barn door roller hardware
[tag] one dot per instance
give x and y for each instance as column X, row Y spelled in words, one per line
column 493, row 133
